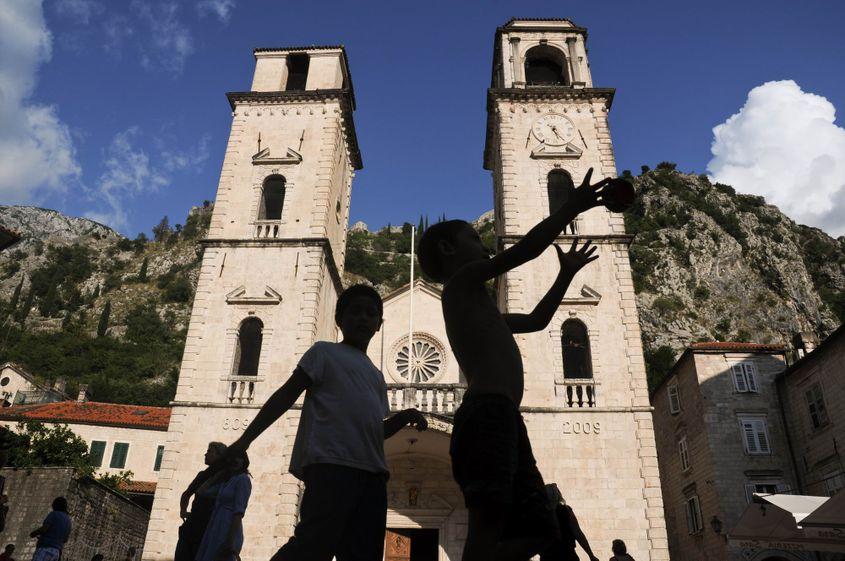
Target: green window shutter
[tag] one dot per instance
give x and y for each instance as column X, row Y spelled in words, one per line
column 118, row 455
column 159, row 455
column 96, row 453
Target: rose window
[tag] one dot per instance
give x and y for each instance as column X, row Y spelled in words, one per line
column 423, row 362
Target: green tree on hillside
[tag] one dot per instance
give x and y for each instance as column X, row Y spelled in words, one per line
column 142, row 274
column 103, row 325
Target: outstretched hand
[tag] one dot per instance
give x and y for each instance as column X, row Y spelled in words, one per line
column 416, row 419
column 587, row 196
column 574, row 260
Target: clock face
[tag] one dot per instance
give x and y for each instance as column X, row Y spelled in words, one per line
column 554, row 130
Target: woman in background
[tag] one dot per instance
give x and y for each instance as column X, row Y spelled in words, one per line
column 195, row 522
column 224, row 535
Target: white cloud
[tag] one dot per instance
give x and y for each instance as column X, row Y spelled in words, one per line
column 79, row 10
column 220, row 8
column 37, row 156
column 171, row 42
column 130, row 171
column 784, row 144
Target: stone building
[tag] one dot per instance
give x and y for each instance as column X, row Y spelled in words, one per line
column 721, row 438
column 19, row 387
column 102, row 521
column 812, row 393
column 271, row 274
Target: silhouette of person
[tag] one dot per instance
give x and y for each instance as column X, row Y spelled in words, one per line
column 224, row 535
column 53, row 533
column 620, row 551
column 8, row 552
column 204, row 492
column 97, row 557
column 492, row 461
column 339, row 447
column 563, row 549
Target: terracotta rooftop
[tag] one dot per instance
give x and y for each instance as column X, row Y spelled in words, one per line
column 145, row 487
column 91, row 413
column 734, row 346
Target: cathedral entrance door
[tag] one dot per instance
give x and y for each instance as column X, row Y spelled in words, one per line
column 411, row 544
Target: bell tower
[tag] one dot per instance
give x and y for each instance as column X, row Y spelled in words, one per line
column 268, row 282
column 586, row 400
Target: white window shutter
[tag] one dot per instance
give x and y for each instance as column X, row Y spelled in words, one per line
column 674, row 399
column 748, row 437
column 739, row 378
column 749, row 492
column 763, row 437
column 751, row 376
column 688, row 510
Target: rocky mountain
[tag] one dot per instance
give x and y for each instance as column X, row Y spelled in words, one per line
column 708, row 263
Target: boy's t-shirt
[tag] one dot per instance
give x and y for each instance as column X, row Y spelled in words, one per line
column 58, row 531
column 343, row 413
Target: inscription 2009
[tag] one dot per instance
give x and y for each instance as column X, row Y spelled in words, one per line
column 582, row 427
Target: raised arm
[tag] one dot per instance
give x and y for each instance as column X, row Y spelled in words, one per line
column 570, row 263
column 278, row 404
column 540, row 237
column 579, row 535
column 397, row 422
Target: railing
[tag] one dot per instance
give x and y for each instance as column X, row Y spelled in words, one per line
column 267, row 228
column 428, row 398
column 241, row 391
column 579, row 393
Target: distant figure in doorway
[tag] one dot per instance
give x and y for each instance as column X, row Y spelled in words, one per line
column 620, row 551
column 204, row 491
column 8, row 552
column 492, row 461
column 53, row 533
column 563, row 549
column 97, row 557
column 339, row 446
column 224, row 535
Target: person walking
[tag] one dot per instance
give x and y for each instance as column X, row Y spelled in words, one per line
column 224, row 535
column 204, row 491
column 53, row 533
column 563, row 549
column 620, row 551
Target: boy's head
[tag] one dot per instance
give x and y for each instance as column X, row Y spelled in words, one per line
column 60, row 504
column 97, row 557
column 10, row 548
column 619, row 547
column 359, row 312
column 446, row 246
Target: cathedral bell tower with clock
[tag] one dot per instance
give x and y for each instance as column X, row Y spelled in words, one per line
column 586, row 401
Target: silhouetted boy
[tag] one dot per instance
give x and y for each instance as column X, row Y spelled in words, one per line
column 339, row 446
column 509, row 515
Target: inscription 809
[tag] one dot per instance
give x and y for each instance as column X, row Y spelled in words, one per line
column 582, row 427
column 235, row 424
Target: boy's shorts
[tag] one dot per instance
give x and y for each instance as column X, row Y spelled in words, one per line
column 494, row 466
column 342, row 515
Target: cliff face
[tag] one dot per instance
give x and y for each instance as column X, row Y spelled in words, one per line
column 708, row 263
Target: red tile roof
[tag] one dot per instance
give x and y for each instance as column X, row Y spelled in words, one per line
column 732, row 346
column 91, row 413
column 145, row 487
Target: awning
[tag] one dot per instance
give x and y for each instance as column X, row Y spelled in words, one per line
column 772, row 522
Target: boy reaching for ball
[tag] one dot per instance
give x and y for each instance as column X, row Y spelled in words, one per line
column 492, row 462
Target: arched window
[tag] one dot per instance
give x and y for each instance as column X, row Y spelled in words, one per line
column 248, row 349
column 560, row 187
column 272, row 198
column 297, row 72
column 576, row 350
column 545, row 66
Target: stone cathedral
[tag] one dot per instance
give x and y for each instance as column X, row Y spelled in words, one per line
column 271, row 273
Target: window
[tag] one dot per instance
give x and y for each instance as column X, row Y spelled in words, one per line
column 755, row 436
column 744, row 375
column 118, row 455
column 297, row 72
column 545, row 66
column 683, row 453
column 762, row 489
column 674, row 399
column 248, row 348
column 834, row 481
column 576, row 350
column 97, row 451
column 815, row 403
column 559, row 187
column 693, row 510
column 159, row 456
column 272, row 198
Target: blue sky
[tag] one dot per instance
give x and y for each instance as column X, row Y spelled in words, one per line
column 125, row 112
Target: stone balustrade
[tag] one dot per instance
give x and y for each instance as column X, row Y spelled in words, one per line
column 580, row 393
column 267, row 229
column 241, row 391
column 442, row 399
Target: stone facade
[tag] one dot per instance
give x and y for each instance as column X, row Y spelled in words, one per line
column 593, row 436
column 102, row 521
column 721, row 469
column 817, row 434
